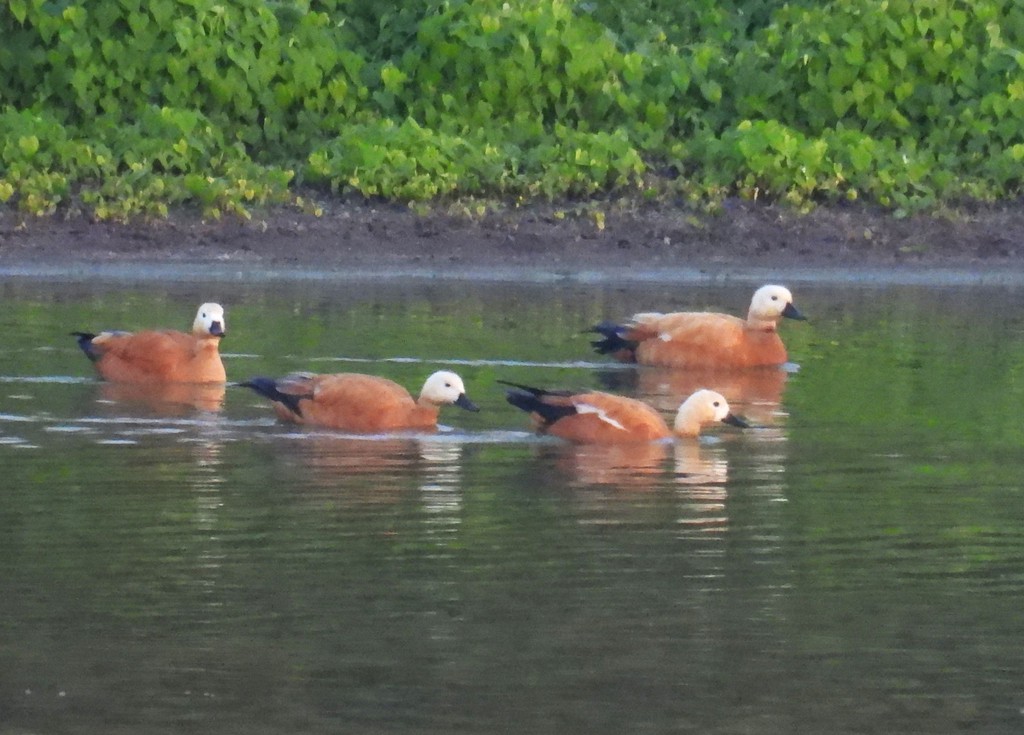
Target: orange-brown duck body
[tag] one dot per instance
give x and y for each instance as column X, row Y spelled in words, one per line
column 595, row 417
column 704, row 339
column 361, row 403
column 161, row 356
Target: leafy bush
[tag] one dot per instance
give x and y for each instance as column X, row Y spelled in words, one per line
column 414, row 163
column 125, row 107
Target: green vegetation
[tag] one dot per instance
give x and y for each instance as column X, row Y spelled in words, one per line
column 122, row 107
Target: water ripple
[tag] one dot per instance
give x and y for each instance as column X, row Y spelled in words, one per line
column 47, row 379
column 578, row 364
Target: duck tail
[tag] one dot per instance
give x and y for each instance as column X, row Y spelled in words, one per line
column 267, row 387
column 612, row 342
column 85, row 343
column 538, row 392
column 533, row 401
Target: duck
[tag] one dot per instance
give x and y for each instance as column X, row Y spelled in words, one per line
column 596, row 417
column 360, row 403
column 690, row 339
column 161, row 356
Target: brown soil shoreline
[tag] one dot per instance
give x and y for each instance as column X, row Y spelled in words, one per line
column 386, row 236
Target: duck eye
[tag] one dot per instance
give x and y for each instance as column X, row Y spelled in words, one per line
column 715, row 404
column 775, row 298
column 447, row 385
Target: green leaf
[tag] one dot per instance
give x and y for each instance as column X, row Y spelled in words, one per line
column 29, row 145
column 19, row 9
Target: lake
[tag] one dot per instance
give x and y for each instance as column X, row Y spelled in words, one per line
column 181, row 562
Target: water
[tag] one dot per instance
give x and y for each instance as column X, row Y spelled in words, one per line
column 181, row 562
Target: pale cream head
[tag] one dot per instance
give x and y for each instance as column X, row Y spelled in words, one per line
column 443, row 388
column 702, row 408
column 209, row 321
column 768, row 304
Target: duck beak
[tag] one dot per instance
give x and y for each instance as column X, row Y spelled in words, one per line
column 733, row 420
column 791, row 312
column 216, row 329
column 463, row 402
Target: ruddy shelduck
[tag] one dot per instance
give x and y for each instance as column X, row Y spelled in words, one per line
column 594, row 417
column 161, row 356
column 703, row 339
column 360, row 403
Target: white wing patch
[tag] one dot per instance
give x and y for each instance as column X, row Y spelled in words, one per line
column 665, row 336
column 646, row 316
column 587, row 408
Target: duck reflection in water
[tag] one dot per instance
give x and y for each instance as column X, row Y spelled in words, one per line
column 164, row 399
column 369, row 469
column 701, row 478
column 626, row 466
column 679, row 484
column 642, row 466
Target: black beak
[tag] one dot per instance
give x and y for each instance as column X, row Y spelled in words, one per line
column 735, row 421
column 463, row 402
column 791, row 312
column 216, row 329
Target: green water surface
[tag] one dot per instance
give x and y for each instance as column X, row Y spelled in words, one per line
column 183, row 563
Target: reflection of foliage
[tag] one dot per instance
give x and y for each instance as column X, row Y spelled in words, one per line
column 123, row 108
column 911, row 361
column 905, row 435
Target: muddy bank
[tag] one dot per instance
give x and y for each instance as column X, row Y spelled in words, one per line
column 361, row 238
